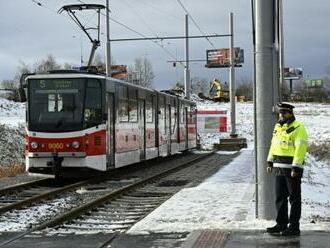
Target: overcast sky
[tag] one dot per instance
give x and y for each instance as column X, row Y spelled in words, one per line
column 29, row 32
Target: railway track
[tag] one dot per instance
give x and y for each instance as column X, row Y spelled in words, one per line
column 33, row 192
column 25, row 194
column 116, row 211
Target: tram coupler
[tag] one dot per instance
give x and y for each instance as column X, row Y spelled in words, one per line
column 56, row 165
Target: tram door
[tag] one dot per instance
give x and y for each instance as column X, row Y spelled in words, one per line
column 168, row 127
column 110, row 131
column 185, row 120
column 142, row 131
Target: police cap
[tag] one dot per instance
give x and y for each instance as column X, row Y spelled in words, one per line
column 285, row 107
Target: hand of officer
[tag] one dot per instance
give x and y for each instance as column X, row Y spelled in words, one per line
column 269, row 167
column 293, row 173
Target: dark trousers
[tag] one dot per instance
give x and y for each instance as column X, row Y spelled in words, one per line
column 288, row 187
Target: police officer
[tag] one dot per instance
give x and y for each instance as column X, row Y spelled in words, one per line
column 286, row 158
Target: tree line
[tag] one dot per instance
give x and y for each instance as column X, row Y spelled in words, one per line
column 140, row 73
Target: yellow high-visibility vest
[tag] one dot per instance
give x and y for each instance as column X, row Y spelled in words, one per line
column 289, row 143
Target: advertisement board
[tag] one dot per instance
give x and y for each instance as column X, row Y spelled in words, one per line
column 221, row 57
column 292, row 73
column 314, row 83
column 211, row 121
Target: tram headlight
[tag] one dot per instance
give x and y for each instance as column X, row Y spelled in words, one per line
column 34, row 145
column 75, row 144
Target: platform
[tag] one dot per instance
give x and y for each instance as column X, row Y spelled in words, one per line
column 254, row 239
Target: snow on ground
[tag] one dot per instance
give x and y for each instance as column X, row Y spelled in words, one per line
column 12, row 118
column 11, row 113
column 18, row 220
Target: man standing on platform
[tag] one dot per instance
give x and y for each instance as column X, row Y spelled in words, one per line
column 286, row 159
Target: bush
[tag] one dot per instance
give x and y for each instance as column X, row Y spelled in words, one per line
column 12, row 170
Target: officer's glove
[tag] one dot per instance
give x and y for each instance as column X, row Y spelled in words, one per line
column 269, row 167
column 293, row 173
column 296, row 172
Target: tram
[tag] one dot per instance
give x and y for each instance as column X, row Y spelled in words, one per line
column 79, row 121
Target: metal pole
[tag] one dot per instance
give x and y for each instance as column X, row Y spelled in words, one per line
column 254, row 108
column 186, row 70
column 108, row 49
column 265, row 117
column 281, row 48
column 232, row 78
column 276, row 53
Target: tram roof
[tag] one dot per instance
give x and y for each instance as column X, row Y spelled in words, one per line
column 81, row 74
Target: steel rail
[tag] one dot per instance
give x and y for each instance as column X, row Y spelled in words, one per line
column 18, row 186
column 40, row 197
column 108, row 197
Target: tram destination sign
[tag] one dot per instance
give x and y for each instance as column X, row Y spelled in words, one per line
column 58, row 84
column 218, row 58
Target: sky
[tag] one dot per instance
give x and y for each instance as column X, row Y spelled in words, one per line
column 29, row 32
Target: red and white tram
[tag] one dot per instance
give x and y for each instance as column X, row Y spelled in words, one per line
column 80, row 121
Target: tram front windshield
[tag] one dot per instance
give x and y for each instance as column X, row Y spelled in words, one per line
column 57, row 105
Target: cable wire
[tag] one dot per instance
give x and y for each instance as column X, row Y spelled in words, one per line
column 160, row 10
column 193, row 20
column 117, row 22
column 140, row 34
column 141, row 18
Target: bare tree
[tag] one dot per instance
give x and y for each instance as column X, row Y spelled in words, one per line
column 141, row 73
column 245, row 88
column 12, row 85
column 47, row 64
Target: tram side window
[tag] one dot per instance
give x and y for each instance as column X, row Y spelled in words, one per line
column 181, row 113
column 150, row 109
column 192, row 115
column 161, row 114
column 123, row 103
column 173, row 116
column 132, row 109
column 93, row 104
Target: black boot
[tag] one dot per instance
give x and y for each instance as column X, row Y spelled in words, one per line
column 291, row 232
column 276, row 229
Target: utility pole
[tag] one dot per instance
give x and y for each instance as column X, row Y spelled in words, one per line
column 108, row 49
column 266, row 97
column 276, row 51
column 186, row 69
column 232, row 78
column 281, row 47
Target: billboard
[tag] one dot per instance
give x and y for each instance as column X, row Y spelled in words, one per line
column 221, row 57
column 314, row 83
column 292, row 73
column 211, row 121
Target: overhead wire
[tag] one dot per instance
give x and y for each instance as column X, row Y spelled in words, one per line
column 141, row 18
column 193, row 20
column 40, row 4
column 160, row 10
column 140, row 34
